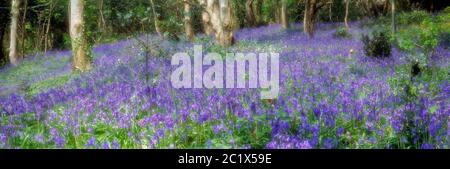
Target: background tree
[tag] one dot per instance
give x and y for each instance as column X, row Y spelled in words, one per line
column 221, row 19
column 277, row 11
column 206, row 17
column 374, row 8
column 250, row 15
column 188, row 20
column 330, row 11
column 80, row 48
column 347, row 3
column 156, row 18
column 284, row 16
column 393, row 16
column 258, row 11
column 101, row 22
column 14, row 58
column 311, row 9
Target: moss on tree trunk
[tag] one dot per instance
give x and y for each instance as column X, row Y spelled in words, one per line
column 80, row 50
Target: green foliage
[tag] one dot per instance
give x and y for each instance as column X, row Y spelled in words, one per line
column 381, row 21
column 23, row 74
column 234, row 133
column 445, row 40
column 414, row 17
column 378, row 45
column 426, row 83
column 196, row 14
column 269, row 10
column 52, row 82
column 342, row 32
column 423, row 38
column 444, row 21
column 172, row 28
column 238, row 7
column 428, row 37
column 44, row 26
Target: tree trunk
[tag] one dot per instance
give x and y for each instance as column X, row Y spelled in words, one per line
column 347, row 2
column 394, row 28
column 188, row 21
column 226, row 18
column 250, row 15
column 47, row 38
column 22, row 27
column 311, row 8
column 80, row 49
column 101, row 23
column 258, row 8
column 156, row 19
column 206, row 17
column 374, row 7
column 284, row 15
column 222, row 20
column 330, row 11
column 14, row 58
column 308, row 19
column 277, row 12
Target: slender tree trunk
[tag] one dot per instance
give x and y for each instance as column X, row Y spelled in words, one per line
column 101, row 23
column 284, row 15
column 394, row 28
column 277, row 12
column 80, row 49
column 308, row 19
column 250, row 15
column 14, row 58
column 188, row 21
column 22, row 28
column 311, row 9
column 347, row 3
column 330, row 12
column 156, row 19
column 47, row 39
column 47, row 43
column 258, row 8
